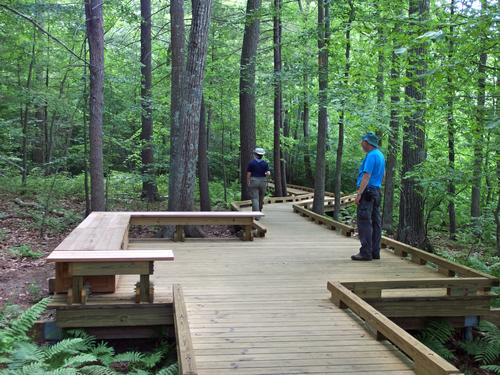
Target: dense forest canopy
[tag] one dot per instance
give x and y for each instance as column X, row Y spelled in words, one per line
column 421, row 74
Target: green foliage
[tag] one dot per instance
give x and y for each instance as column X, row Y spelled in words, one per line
column 485, row 348
column 25, row 251
column 436, row 335
column 78, row 354
column 17, row 330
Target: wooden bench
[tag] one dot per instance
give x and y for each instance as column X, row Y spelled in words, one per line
column 181, row 219
column 81, row 264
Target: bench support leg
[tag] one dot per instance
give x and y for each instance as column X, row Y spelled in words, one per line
column 144, row 288
column 75, row 295
column 247, row 233
column 179, row 233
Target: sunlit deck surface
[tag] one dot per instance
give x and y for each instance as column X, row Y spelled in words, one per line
column 262, row 307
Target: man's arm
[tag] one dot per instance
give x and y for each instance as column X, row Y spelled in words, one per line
column 249, row 175
column 362, row 186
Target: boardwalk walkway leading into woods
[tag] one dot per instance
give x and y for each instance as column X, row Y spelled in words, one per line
column 262, row 306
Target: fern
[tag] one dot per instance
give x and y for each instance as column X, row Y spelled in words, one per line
column 130, row 357
column 19, row 327
column 97, row 370
column 486, row 348
column 173, row 369
column 66, row 346
column 435, row 335
column 151, row 360
column 493, row 368
column 79, row 360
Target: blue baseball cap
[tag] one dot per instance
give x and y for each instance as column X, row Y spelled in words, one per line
column 371, row 138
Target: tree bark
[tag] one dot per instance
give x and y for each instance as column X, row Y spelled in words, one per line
column 149, row 190
column 393, row 144
column 450, row 121
column 340, row 145
column 95, row 35
column 411, row 228
column 247, row 90
column 319, row 181
column 183, row 174
column 177, row 53
column 278, row 102
column 305, row 126
column 24, row 116
column 478, row 134
column 203, row 161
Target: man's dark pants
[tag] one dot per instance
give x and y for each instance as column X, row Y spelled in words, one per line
column 370, row 223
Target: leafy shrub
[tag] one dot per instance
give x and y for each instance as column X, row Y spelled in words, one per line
column 485, row 348
column 25, row 251
column 436, row 335
column 78, row 354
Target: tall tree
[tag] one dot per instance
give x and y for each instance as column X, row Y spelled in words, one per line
column 393, row 142
column 340, row 145
column 177, row 62
column 323, row 34
column 203, row 160
column 247, row 90
column 450, row 121
column 95, row 36
column 183, row 174
column 278, row 100
column 149, row 190
column 305, row 128
column 411, row 206
column 478, row 127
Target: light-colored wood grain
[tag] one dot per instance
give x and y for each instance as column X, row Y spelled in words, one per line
column 111, row 256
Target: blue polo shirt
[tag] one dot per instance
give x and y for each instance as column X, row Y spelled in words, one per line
column 258, row 168
column 373, row 164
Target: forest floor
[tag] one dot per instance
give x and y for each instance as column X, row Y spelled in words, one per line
column 23, row 246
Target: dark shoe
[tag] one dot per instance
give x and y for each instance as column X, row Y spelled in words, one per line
column 360, row 257
column 375, row 256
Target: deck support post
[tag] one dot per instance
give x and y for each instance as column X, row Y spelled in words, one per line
column 179, row 233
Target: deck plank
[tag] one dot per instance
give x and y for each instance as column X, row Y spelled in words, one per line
column 262, row 307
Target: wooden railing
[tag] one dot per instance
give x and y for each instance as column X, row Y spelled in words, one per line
column 418, row 256
column 185, row 351
column 427, row 362
column 455, row 297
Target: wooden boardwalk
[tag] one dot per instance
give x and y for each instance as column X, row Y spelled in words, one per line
column 262, row 307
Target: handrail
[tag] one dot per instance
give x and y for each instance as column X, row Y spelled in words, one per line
column 418, row 256
column 185, row 351
column 427, row 362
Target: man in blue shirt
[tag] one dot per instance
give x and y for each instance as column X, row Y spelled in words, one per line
column 371, row 174
column 257, row 173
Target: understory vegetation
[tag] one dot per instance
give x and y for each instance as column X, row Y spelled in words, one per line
column 473, row 356
column 77, row 354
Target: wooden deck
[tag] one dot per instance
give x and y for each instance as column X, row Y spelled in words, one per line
column 262, row 307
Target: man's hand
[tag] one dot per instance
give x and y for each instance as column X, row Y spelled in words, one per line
column 358, row 198
column 268, row 173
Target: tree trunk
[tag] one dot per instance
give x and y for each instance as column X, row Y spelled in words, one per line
column 411, row 228
column 177, row 53
column 305, row 123
column 284, row 158
column 278, row 102
column 85, row 133
column 203, row 161
column 95, row 35
column 451, row 131
column 183, row 174
column 24, row 117
column 149, row 190
column 380, row 72
column 319, row 181
column 393, row 144
column 247, row 90
column 478, row 134
column 340, row 145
